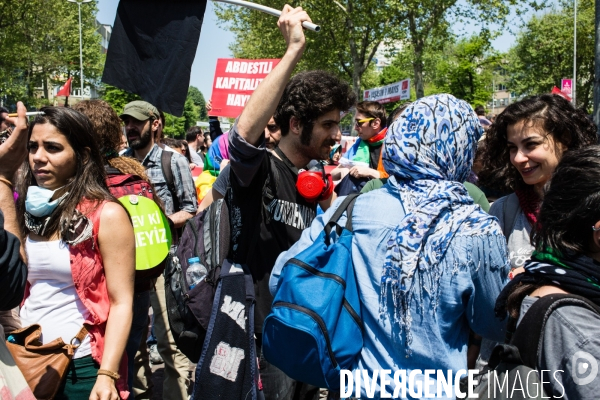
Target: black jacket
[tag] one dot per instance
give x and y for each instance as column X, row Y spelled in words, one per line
column 13, row 271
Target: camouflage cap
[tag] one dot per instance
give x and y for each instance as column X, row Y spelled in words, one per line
column 140, row 110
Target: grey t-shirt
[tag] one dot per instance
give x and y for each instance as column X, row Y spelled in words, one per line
column 222, row 182
column 570, row 344
column 519, row 251
column 519, row 244
column 196, row 159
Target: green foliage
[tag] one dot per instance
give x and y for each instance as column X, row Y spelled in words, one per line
column 353, row 30
column 351, row 33
column 174, row 126
column 543, row 53
column 118, row 98
column 40, row 47
column 466, row 70
column 429, row 21
column 461, row 67
column 198, row 99
column 190, row 114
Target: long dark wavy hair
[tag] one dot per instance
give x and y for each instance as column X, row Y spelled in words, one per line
column 568, row 126
column 89, row 179
column 570, row 209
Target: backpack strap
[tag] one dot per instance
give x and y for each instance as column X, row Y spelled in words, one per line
column 346, row 205
column 165, row 160
column 269, row 189
column 530, row 332
column 510, row 210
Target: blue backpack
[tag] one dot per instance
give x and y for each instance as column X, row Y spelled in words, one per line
column 315, row 327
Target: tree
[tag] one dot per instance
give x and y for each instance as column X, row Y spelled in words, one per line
column 466, row 69
column 174, row 126
column 190, row 114
column 351, row 33
column 543, row 53
column 118, row 98
column 198, row 99
column 41, row 45
column 428, row 22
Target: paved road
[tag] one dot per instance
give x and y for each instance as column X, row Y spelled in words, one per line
column 158, row 377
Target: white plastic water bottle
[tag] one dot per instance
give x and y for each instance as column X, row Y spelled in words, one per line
column 195, row 272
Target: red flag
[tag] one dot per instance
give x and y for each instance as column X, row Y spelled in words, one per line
column 66, row 90
column 559, row 92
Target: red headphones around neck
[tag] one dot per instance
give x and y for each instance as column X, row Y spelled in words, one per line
column 313, row 183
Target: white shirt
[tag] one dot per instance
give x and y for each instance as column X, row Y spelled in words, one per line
column 53, row 301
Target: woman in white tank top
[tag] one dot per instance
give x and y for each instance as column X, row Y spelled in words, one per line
column 81, row 250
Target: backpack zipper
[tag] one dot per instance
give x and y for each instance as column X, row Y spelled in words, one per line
column 336, row 278
column 315, row 271
column 317, row 319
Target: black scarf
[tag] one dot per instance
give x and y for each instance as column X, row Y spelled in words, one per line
column 79, row 230
column 578, row 275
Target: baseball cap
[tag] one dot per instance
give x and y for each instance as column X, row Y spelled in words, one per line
column 140, row 110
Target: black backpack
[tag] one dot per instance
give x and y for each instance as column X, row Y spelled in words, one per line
column 518, row 360
column 207, row 236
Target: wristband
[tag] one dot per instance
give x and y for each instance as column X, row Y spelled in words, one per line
column 106, row 372
column 6, row 181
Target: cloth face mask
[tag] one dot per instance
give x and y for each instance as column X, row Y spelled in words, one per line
column 38, row 203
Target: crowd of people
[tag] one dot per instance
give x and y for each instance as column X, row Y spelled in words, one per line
column 442, row 276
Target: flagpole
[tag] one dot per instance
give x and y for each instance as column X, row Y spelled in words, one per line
column 268, row 10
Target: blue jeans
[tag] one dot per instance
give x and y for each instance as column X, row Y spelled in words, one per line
column 151, row 338
column 141, row 305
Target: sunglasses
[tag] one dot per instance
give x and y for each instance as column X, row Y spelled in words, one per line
column 359, row 122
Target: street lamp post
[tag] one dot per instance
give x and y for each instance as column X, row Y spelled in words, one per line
column 574, row 86
column 79, row 3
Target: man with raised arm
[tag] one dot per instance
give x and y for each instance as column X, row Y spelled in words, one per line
column 268, row 212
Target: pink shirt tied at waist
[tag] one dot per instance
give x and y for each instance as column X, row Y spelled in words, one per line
column 90, row 283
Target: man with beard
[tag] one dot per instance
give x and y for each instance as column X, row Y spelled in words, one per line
column 307, row 110
column 272, row 134
column 142, row 122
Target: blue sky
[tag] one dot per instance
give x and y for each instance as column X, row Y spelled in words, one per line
column 214, row 43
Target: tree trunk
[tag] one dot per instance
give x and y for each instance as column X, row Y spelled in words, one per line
column 356, row 81
column 45, row 86
column 418, row 69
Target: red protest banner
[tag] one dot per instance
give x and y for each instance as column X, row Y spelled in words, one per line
column 235, row 80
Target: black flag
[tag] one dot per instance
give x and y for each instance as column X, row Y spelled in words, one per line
column 152, row 48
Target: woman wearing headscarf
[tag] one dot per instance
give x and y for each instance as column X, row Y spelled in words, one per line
column 429, row 263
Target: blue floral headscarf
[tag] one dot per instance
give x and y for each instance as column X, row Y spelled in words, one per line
column 428, row 153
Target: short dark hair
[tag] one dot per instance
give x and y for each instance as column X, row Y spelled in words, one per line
column 567, row 125
column 162, row 117
column 309, row 95
column 373, row 109
column 4, row 110
column 479, row 110
column 192, row 132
